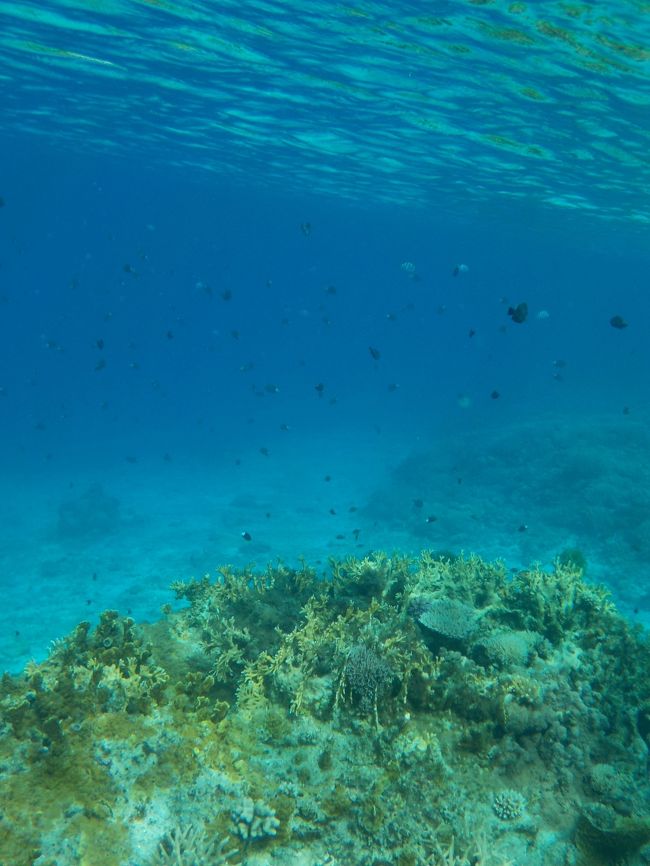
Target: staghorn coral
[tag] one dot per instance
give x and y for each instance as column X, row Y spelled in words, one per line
column 191, row 846
column 124, row 728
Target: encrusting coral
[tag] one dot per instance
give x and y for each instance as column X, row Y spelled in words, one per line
column 394, row 704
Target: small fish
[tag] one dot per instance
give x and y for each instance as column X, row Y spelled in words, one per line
column 375, row 353
column 626, row 409
column 327, row 478
column 471, row 333
column 618, row 322
column 246, row 536
column 543, row 314
column 305, row 228
column 99, row 343
column 418, row 503
column 523, row 527
column 270, row 388
column 169, row 335
column 333, row 511
column 330, row 290
column 265, row 451
column 285, row 428
column 356, row 532
column 235, row 335
column 519, row 313
column 226, row 295
column 408, row 267
column 100, row 365
column 392, row 387
column 128, row 269
column 459, row 269
column 495, row 395
column 319, row 388
column 247, row 367
column 431, row 518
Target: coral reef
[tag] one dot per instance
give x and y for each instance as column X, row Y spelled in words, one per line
column 438, row 711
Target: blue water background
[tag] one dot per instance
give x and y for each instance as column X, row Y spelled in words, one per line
column 185, row 357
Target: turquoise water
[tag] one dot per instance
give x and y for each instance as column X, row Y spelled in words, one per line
column 455, row 105
column 210, row 212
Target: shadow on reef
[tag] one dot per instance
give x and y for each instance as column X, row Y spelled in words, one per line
column 436, row 711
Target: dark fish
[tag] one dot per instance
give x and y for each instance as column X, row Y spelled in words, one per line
column 471, row 333
column 626, row 409
column 226, row 295
column 519, row 313
column 431, row 518
column 375, row 353
column 523, row 527
column 128, row 269
column 246, row 536
column 100, row 365
column 495, row 395
column 327, row 478
column 356, row 532
column 330, row 290
column 284, row 428
column 99, row 343
column 169, row 335
column 270, row 388
column 265, row 451
column 333, row 511
column 319, row 388
column 418, row 503
column 618, row 322
column 393, row 386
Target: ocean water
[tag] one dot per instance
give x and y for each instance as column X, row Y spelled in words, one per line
column 290, row 281
column 209, row 214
